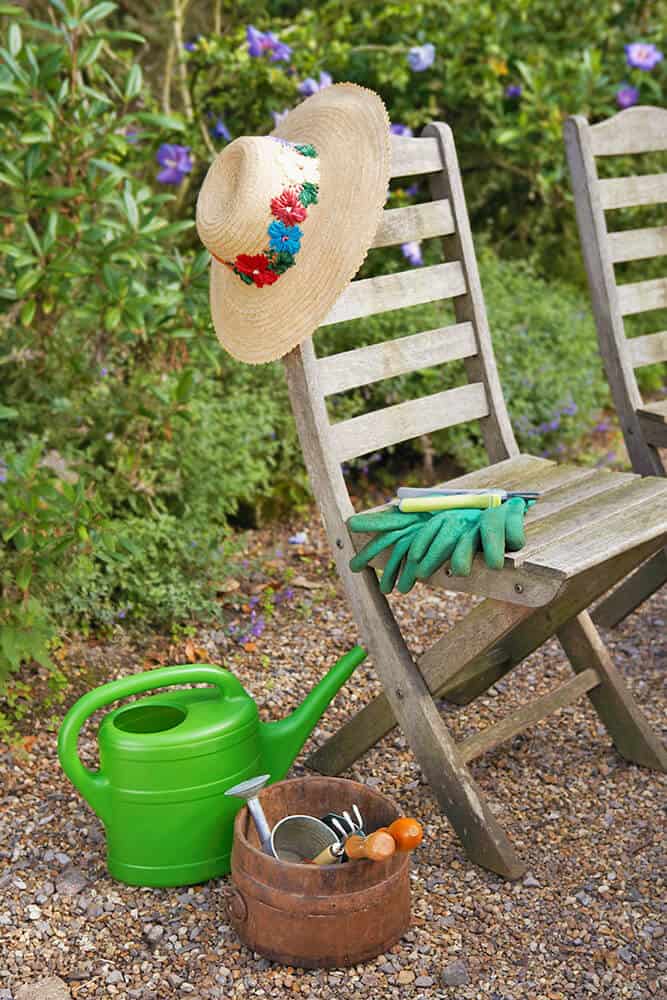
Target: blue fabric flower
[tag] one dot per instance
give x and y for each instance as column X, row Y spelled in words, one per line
column 310, row 86
column 284, row 238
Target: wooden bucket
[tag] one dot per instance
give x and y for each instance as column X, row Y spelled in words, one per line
column 310, row 916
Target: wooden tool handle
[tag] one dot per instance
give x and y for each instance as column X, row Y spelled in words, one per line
column 327, row 857
column 376, row 846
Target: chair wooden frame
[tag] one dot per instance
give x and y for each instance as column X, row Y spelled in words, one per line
column 546, row 589
column 635, row 130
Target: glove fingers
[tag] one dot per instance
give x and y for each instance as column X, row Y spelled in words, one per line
column 425, row 536
column 384, row 521
column 463, row 554
column 393, row 566
column 515, row 534
column 441, row 547
column 376, row 545
column 492, row 525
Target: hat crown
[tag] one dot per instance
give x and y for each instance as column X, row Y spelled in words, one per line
column 234, row 201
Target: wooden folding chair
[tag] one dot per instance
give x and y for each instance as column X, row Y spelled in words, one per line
column 588, row 531
column 637, row 130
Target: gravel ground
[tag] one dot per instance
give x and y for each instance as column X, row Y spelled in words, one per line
column 588, row 920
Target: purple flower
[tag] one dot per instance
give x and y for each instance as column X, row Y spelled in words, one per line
column 257, row 626
column 299, row 539
column 626, row 96
column 176, row 161
column 554, row 424
column 104, row 372
column 3, row 471
column 279, row 116
column 397, row 129
column 122, row 612
column 514, row 91
column 642, row 55
column 570, row 409
column 266, row 43
column 191, row 44
column 412, row 190
column 310, row 86
column 220, row 131
column 131, row 134
column 420, row 57
column 413, row 252
column 603, row 426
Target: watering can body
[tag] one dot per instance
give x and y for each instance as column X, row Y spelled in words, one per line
column 165, row 762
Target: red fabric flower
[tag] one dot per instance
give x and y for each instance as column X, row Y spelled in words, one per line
column 288, row 208
column 256, row 266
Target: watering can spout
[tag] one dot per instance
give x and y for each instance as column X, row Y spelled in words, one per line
column 281, row 741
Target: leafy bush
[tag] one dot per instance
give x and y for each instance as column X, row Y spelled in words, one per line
column 130, row 443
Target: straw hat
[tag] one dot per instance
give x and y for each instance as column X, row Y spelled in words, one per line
column 289, row 218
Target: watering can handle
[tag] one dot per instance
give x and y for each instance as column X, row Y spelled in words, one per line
column 93, row 785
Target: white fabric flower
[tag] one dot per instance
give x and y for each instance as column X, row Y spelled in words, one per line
column 298, row 168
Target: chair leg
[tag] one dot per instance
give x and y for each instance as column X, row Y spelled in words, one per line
column 632, row 592
column 461, row 800
column 625, row 722
column 470, row 658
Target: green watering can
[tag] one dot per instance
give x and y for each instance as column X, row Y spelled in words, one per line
column 166, row 761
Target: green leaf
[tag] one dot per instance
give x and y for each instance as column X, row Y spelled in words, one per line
column 281, row 262
column 98, row 12
column 27, row 281
column 184, row 386
column 24, row 576
column 90, row 52
column 162, row 121
column 8, row 412
column 134, row 82
column 28, row 312
column 131, row 209
column 112, row 318
column 15, row 39
column 9, row 641
column 11, row 10
column 308, row 194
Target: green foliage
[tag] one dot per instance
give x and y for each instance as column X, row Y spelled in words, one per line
column 567, row 59
column 46, row 518
column 130, row 444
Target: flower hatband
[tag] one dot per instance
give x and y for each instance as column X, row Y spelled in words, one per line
column 288, row 209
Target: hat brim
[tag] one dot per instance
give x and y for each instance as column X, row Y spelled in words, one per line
column 349, row 127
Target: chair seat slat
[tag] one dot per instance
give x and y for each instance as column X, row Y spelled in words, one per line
column 372, row 431
column 635, row 130
column 414, row 156
column 625, row 192
column 638, row 244
column 341, row 372
column 414, row 222
column 396, row 291
column 642, row 296
column 650, row 349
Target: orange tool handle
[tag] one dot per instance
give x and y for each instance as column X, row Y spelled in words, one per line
column 377, row 846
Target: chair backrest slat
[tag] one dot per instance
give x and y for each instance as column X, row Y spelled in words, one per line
column 626, row 192
column 650, row 349
column 414, row 222
column 636, row 130
column 641, row 296
column 641, row 129
column 326, row 444
column 396, row 291
column 382, row 428
column 365, row 365
column 410, row 157
column 638, row 244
